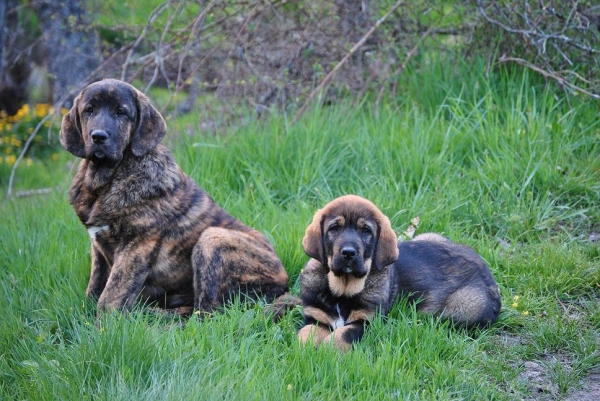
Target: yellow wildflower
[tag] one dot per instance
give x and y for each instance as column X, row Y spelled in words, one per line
column 525, row 313
column 42, row 109
column 515, row 305
column 24, row 110
column 29, row 161
column 54, row 156
column 516, row 298
column 10, row 159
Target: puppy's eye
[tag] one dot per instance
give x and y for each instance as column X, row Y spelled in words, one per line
column 334, row 227
column 121, row 111
column 88, row 109
column 367, row 230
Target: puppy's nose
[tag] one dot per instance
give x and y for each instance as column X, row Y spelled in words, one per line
column 348, row 252
column 99, row 136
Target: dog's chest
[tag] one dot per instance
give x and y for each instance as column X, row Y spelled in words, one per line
column 95, row 231
column 339, row 319
column 104, row 240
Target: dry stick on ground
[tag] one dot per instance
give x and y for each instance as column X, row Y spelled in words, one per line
column 339, row 65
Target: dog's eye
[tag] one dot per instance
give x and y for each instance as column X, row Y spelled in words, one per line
column 334, row 227
column 121, row 111
column 367, row 230
column 88, row 109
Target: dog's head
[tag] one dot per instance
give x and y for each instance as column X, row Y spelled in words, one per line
column 108, row 118
column 348, row 236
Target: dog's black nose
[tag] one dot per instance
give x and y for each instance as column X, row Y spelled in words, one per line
column 348, row 252
column 99, row 136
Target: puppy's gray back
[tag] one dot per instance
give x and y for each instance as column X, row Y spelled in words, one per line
column 448, row 279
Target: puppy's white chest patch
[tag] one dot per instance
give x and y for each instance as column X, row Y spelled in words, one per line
column 95, row 230
column 339, row 322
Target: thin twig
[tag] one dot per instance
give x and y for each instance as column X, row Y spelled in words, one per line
column 501, row 25
column 159, row 58
column 22, row 155
column 196, row 27
column 546, row 74
column 155, row 13
column 339, row 65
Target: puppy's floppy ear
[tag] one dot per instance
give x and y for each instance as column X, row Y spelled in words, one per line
column 386, row 247
column 150, row 129
column 313, row 241
column 71, row 137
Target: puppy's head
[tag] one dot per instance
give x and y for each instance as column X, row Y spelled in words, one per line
column 348, row 236
column 108, row 118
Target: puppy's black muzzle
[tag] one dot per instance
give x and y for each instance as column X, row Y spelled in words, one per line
column 103, row 147
column 348, row 252
column 348, row 261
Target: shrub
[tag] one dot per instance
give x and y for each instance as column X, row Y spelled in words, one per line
column 15, row 130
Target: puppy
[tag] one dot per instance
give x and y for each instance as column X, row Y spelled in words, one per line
column 156, row 237
column 357, row 266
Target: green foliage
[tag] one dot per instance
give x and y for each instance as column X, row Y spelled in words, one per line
column 499, row 163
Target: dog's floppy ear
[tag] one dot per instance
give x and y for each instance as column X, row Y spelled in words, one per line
column 313, row 241
column 150, row 129
column 71, row 137
column 386, row 247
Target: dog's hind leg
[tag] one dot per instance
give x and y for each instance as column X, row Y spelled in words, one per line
column 470, row 307
column 226, row 262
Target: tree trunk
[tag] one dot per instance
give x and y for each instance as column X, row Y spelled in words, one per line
column 71, row 44
column 12, row 67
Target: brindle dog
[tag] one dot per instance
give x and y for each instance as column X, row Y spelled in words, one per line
column 357, row 267
column 156, row 236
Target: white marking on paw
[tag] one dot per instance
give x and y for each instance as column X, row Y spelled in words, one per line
column 95, row 230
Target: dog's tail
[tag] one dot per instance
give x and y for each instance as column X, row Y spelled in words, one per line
column 281, row 305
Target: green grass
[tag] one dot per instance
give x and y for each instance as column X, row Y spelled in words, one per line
column 498, row 163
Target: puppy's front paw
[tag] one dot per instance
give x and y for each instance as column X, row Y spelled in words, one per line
column 313, row 333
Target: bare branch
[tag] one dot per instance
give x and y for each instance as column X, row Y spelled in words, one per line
column 155, row 13
column 546, row 74
column 354, row 48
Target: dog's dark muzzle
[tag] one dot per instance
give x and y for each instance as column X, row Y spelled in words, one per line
column 348, row 261
column 99, row 136
column 103, row 147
